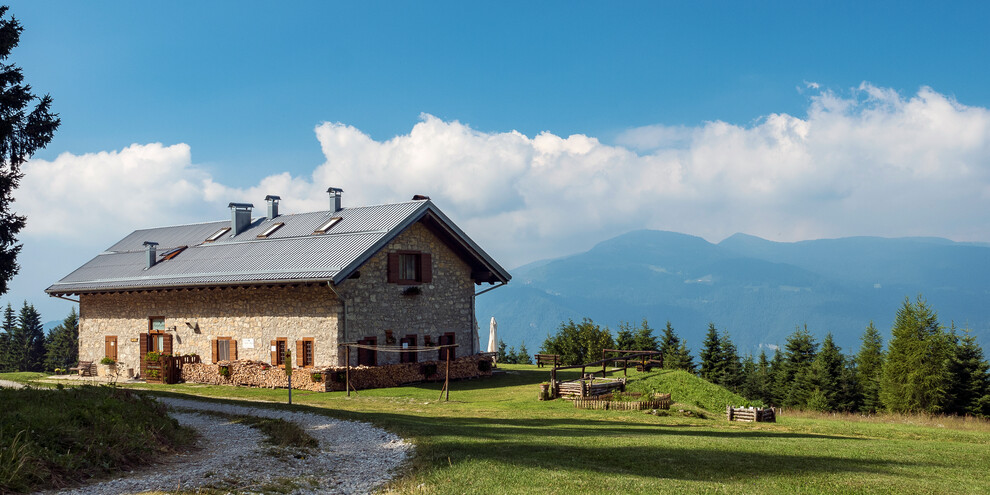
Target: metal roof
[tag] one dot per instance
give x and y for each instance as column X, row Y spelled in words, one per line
column 292, row 253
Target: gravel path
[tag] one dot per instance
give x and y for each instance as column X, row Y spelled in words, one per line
column 353, row 457
column 10, row 384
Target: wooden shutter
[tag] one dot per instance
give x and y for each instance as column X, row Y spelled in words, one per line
column 215, row 345
column 300, row 356
column 110, row 347
column 233, row 349
column 144, row 345
column 274, row 353
column 393, row 268
column 425, row 268
column 167, row 344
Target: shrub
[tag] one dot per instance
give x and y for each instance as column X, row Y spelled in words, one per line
column 107, row 361
column 152, row 357
column 225, row 371
column 316, row 377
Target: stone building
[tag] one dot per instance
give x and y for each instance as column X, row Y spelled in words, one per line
column 249, row 288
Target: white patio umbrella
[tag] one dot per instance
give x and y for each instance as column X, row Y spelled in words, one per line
column 493, row 336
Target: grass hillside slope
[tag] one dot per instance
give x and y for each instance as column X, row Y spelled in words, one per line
column 689, row 389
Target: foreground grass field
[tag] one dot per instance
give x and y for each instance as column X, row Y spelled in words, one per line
column 495, row 437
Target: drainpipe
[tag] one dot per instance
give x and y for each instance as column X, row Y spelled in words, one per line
column 343, row 313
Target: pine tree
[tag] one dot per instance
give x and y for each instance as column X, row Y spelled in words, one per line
column 578, row 343
column 522, row 356
column 23, row 131
column 969, row 377
column 732, row 370
column 795, row 381
column 916, row 377
column 27, row 343
column 711, row 355
column 624, row 337
column 7, row 360
column 826, row 374
column 643, row 338
column 62, row 345
column 502, row 356
column 670, row 344
column 681, row 360
column 750, row 387
column 869, row 369
column 764, row 379
column 776, row 386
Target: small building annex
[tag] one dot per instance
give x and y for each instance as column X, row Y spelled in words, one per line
column 250, row 288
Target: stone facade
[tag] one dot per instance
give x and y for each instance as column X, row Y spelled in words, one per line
column 256, row 315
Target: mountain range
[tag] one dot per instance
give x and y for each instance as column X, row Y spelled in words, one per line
column 757, row 290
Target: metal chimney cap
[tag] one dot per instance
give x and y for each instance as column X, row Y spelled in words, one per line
column 272, row 197
column 335, row 190
column 150, row 243
column 240, row 206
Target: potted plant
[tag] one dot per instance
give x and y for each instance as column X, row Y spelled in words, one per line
column 225, row 371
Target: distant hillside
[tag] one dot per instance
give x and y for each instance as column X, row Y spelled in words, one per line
column 756, row 289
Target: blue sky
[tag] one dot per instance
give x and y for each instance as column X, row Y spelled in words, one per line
column 781, row 120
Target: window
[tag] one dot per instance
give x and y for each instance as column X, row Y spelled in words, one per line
column 410, row 268
column 279, row 346
column 216, row 235
column 111, row 347
column 322, row 229
column 158, row 341
column 304, row 353
column 447, row 339
column 172, row 253
column 367, row 357
column 408, row 357
column 270, row 230
column 224, row 349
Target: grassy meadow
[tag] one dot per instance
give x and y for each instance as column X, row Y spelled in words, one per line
column 495, row 437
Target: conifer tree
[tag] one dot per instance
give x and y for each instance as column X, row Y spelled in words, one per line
column 522, row 356
column 670, row 345
column 750, row 387
column 795, row 381
column 643, row 338
column 681, row 359
column 969, row 377
column 62, row 346
column 7, row 361
column 711, row 355
column 27, row 343
column 916, row 375
column 578, row 343
column 624, row 337
column 826, row 374
column 776, row 390
column 869, row 369
column 502, row 355
column 732, row 370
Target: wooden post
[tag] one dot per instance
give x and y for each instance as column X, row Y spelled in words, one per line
column 347, row 370
column 446, row 381
column 728, row 412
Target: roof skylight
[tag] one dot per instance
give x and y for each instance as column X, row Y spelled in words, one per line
column 172, row 253
column 270, row 230
column 322, row 229
column 216, row 235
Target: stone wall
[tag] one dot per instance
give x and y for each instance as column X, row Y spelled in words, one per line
column 260, row 314
column 443, row 305
column 254, row 316
column 260, row 374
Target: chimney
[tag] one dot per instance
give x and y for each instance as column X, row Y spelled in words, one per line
column 335, row 193
column 150, row 248
column 240, row 217
column 272, row 206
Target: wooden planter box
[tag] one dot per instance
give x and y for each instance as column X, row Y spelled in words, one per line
column 659, row 402
column 751, row 414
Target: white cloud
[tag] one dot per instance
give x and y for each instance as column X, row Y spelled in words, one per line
column 869, row 163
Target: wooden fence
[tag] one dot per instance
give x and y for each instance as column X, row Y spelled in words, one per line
column 662, row 401
column 751, row 414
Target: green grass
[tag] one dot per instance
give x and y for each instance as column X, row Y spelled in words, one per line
column 688, row 389
column 57, row 437
column 495, row 437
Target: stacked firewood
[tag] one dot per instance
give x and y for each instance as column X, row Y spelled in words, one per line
column 261, row 374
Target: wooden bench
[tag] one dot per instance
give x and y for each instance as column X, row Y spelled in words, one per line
column 85, row 368
column 551, row 359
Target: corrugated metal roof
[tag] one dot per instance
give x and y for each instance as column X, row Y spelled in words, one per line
column 291, row 253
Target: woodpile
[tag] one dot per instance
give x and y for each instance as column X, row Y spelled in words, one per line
column 331, row 378
column 751, row 414
column 591, row 387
